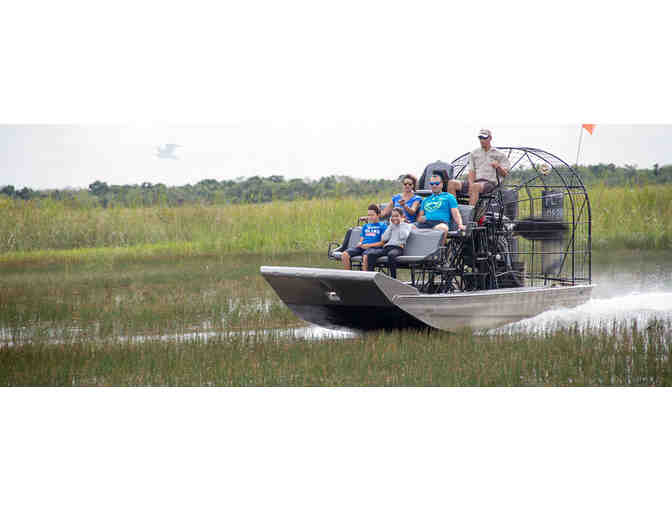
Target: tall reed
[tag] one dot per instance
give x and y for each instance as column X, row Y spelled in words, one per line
column 615, row 356
column 630, row 217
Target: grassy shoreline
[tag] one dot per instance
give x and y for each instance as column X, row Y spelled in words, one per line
column 49, row 232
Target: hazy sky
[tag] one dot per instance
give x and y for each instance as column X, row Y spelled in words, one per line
column 306, row 89
column 74, row 156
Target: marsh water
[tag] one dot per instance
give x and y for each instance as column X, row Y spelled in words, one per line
column 202, row 298
column 632, row 286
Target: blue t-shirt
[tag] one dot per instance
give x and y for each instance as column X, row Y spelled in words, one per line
column 437, row 208
column 372, row 232
column 415, row 198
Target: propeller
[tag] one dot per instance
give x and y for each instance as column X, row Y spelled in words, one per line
column 537, row 228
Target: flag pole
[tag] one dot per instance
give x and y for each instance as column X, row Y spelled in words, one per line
column 579, row 148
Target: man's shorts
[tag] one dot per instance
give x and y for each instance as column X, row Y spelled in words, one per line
column 431, row 223
column 488, row 186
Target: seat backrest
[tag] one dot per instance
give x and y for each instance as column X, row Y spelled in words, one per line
column 355, row 234
column 467, row 213
column 421, row 243
column 443, row 168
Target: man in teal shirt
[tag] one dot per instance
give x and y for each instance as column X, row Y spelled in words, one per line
column 439, row 210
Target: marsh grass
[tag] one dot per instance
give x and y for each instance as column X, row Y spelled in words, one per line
column 621, row 355
column 50, row 232
column 632, row 217
column 213, row 320
column 123, row 299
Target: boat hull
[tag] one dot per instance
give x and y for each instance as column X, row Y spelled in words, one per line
column 367, row 300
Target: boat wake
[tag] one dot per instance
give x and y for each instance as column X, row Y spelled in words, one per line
column 638, row 309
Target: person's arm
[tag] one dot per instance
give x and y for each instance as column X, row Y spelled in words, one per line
column 414, row 207
column 404, row 232
column 502, row 166
column 366, row 246
column 386, row 235
column 471, row 176
column 421, row 213
column 373, row 245
column 457, row 217
column 388, row 210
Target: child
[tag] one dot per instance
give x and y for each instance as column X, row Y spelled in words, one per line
column 395, row 239
column 371, row 234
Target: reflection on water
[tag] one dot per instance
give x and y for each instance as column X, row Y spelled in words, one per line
column 309, row 331
column 11, row 338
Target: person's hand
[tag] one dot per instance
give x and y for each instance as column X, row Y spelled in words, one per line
column 461, row 227
column 402, row 202
column 363, row 218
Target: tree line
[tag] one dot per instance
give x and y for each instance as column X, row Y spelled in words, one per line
column 209, row 191
column 276, row 187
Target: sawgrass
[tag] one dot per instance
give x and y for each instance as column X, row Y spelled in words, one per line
column 50, row 232
column 638, row 217
column 96, row 302
column 213, row 320
column 619, row 355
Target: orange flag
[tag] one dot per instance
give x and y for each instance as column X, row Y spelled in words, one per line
column 588, row 127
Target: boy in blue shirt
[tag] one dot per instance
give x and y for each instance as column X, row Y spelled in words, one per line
column 371, row 238
column 439, row 210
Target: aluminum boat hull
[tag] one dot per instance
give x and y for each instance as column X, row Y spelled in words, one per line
column 367, row 300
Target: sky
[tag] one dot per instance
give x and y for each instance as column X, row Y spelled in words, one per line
column 364, row 88
column 304, row 89
column 52, row 156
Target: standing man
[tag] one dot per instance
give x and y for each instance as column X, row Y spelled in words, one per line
column 484, row 165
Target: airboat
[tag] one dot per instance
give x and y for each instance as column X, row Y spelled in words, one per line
column 526, row 249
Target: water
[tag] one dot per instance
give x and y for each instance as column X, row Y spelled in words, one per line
column 633, row 286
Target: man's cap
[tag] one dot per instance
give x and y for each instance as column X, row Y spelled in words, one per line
column 484, row 133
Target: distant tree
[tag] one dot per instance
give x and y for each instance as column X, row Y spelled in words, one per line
column 99, row 188
column 25, row 193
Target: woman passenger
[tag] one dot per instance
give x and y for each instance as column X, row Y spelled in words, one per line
column 407, row 200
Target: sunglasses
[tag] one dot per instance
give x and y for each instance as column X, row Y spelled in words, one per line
column 434, row 183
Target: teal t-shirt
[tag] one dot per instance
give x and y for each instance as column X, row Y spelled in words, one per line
column 437, row 208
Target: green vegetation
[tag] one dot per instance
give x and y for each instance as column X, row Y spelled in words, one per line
column 96, row 301
column 172, row 296
column 212, row 320
column 207, row 192
column 630, row 217
column 265, row 189
column 278, row 227
column 620, row 356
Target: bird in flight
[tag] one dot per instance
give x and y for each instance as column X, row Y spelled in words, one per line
column 167, row 151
